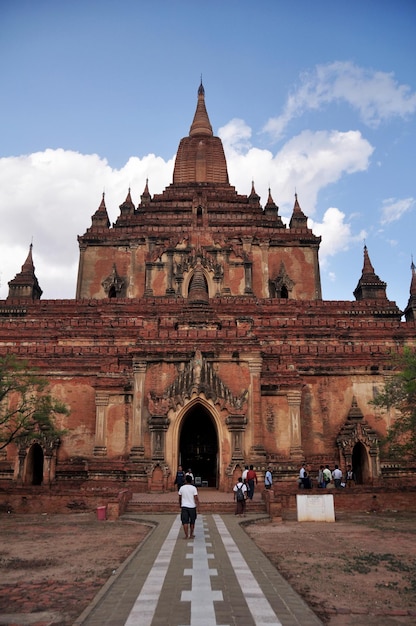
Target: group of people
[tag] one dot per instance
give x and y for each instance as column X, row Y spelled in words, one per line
column 327, row 476
column 244, row 488
column 181, row 475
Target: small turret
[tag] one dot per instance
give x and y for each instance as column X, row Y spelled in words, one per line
column 254, row 198
column 127, row 208
column 410, row 310
column 369, row 287
column 145, row 198
column 25, row 284
column 298, row 219
column 100, row 218
column 272, row 210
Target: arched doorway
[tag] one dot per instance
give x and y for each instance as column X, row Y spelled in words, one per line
column 34, row 465
column 360, row 464
column 198, row 445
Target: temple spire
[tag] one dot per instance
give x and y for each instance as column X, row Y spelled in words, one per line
column 368, row 269
column 200, row 157
column 201, row 124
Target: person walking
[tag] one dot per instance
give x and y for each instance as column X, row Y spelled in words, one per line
column 189, row 473
column 240, row 497
column 180, row 477
column 251, row 481
column 189, row 503
column 268, row 478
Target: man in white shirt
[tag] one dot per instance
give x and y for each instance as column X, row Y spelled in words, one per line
column 268, row 479
column 188, row 501
column 302, row 473
column 337, row 476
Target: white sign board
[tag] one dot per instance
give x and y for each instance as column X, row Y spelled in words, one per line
column 315, row 508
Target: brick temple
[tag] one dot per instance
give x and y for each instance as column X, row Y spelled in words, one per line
column 198, row 336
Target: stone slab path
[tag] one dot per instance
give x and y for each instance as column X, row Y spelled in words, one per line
column 219, row 578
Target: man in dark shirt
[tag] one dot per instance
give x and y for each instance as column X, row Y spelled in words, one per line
column 180, row 477
column 251, row 482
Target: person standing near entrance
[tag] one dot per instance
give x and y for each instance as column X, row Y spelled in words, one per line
column 337, row 476
column 349, row 477
column 302, row 475
column 251, row 481
column 321, row 477
column 268, row 479
column 189, row 473
column 180, row 477
column 188, row 501
column 327, row 476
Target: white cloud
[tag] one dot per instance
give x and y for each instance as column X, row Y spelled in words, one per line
column 336, row 234
column 393, row 209
column 377, row 96
column 307, row 163
column 235, row 136
column 48, row 198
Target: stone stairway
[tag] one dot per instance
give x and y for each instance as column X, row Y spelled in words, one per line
column 211, row 501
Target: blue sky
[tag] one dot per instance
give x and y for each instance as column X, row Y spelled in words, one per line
column 313, row 97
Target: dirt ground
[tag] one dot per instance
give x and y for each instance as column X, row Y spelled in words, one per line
column 359, row 571
column 58, row 579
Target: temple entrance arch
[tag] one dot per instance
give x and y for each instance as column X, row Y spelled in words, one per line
column 358, row 446
column 360, row 464
column 34, row 465
column 198, row 445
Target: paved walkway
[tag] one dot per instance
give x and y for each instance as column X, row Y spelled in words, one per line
column 220, row 578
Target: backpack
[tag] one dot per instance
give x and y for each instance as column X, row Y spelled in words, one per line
column 240, row 494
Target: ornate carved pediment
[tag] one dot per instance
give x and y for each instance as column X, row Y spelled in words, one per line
column 198, row 377
column 113, row 284
column 282, row 284
column 189, row 261
column 355, row 430
column 47, row 442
